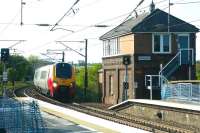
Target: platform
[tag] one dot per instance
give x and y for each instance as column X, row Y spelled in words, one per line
column 168, row 104
column 98, row 124
column 181, row 113
column 56, row 124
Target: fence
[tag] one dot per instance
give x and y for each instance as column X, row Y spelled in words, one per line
column 20, row 117
column 181, row 91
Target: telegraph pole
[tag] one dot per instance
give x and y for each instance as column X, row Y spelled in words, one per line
column 86, row 71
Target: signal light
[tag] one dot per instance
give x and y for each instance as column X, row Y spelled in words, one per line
column 125, row 85
column 4, row 54
column 126, row 60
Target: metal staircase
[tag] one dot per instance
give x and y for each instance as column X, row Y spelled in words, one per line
column 183, row 57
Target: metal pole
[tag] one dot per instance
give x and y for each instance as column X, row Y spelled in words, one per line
column 21, row 12
column 63, row 56
column 168, row 29
column 151, row 87
column 86, row 71
column 125, row 93
column 126, row 80
column 4, row 82
column 190, row 73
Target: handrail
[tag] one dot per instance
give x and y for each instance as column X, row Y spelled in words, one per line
column 169, row 62
column 179, row 53
column 159, row 76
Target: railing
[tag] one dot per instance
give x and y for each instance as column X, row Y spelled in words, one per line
column 184, row 56
column 171, row 66
column 153, row 82
column 181, row 91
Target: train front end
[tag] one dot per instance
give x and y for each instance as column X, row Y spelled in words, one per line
column 63, row 81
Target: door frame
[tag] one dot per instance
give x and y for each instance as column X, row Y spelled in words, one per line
column 183, row 34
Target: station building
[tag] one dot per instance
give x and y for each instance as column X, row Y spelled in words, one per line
column 157, row 44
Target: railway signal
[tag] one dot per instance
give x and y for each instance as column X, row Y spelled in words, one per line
column 4, row 54
column 126, row 60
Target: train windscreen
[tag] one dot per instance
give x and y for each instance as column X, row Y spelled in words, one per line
column 63, row 70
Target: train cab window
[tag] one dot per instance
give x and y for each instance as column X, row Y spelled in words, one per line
column 63, row 70
column 43, row 75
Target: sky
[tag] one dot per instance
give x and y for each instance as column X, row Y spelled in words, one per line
column 87, row 14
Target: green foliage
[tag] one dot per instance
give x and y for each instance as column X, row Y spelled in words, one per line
column 20, row 68
column 92, row 92
column 198, row 70
column 11, row 74
column 18, row 64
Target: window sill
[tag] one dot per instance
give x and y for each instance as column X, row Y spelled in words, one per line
column 161, row 52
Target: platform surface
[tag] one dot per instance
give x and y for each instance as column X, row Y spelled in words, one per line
column 58, row 125
column 161, row 103
column 91, row 122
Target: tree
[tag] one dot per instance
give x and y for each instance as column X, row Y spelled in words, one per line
column 33, row 61
column 12, row 75
column 92, row 91
column 20, row 64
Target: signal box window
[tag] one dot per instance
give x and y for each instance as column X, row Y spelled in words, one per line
column 161, row 43
column 110, row 47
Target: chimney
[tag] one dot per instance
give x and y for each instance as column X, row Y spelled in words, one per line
column 152, row 6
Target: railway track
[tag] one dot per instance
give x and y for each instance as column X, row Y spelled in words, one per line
column 133, row 121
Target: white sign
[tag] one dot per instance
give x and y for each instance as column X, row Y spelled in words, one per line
column 143, row 58
column 5, row 76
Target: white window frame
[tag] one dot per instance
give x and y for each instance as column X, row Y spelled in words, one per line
column 161, row 44
column 111, row 47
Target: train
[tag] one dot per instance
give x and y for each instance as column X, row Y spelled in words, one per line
column 56, row 80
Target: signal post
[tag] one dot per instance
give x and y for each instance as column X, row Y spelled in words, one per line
column 4, row 58
column 126, row 61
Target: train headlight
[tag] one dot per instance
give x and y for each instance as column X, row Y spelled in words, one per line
column 71, row 84
column 55, row 85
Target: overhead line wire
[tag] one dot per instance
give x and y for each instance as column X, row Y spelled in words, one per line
column 193, row 2
column 107, row 20
column 8, row 25
column 71, row 8
column 135, row 9
column 82, row 29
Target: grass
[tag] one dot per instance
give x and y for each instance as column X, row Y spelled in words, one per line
column 18, row 84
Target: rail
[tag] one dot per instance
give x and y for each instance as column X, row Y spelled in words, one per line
column 133, row 121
